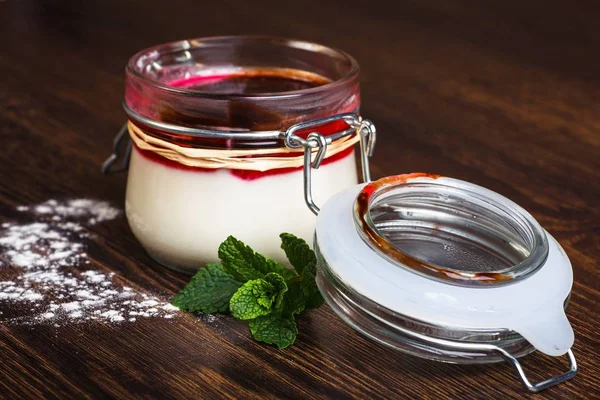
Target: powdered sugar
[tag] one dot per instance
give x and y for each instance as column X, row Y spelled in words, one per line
column 45, row 272
column 95, row 211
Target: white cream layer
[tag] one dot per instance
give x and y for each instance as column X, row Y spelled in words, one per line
column 181, row 216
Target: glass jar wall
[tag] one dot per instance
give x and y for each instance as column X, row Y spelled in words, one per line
column 181, row 213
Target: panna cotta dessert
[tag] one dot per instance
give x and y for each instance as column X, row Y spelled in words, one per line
column 181, row 215
column 207, row 119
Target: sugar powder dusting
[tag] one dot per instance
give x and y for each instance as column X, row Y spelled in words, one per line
column 45, row 274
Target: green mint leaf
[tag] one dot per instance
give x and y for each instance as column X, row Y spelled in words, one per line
column 312, row 296
column 208, row 291
column 293, row 301
column 287, row 273
column 258, row 297
column 280, row 287
column 245, row 264
column 297, row 251
column 277, row 328
column 252, row 300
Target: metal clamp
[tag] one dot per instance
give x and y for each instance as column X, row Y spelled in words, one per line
column 368, row 135
column 546, row 383
column 314, row 140
column 289, row 137
column 294, row 141
column 464, row 346
column 364, row 128
column 107, row 166
column 421, row 339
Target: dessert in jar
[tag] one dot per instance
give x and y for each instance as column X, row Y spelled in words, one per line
column 212, row 154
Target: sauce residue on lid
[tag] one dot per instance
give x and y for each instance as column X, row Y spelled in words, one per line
column 362, row 208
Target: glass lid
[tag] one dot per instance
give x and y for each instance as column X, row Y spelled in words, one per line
column 450, row 230
column 445, row 269
column 450, row 253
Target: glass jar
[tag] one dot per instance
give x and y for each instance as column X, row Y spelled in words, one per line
column 212, row 156
column 445, row 270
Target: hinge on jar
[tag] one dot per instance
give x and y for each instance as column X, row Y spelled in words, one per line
column 108, row 166
column 363, row 127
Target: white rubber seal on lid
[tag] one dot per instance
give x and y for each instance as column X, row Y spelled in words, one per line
column 533, row 306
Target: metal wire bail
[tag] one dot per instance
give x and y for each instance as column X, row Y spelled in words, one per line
column 364, row 128
column 368, row 135
column 357, row 126
column 291, row 140
column 108, row 165
column 321, row 143
column 537, row 387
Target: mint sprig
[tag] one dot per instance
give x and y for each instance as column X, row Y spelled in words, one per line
column 208, row 291
column 258, row 297
column 243, row 263
column 257, row 289
column 312, row 295
column 297, row 251
column 277, row 328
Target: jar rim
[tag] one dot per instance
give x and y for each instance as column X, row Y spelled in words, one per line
column 134, row 66
column 469, row 195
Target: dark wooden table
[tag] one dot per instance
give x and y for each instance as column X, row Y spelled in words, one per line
column 503, row 94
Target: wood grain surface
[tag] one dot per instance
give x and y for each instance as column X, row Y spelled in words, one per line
column 503, row 94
